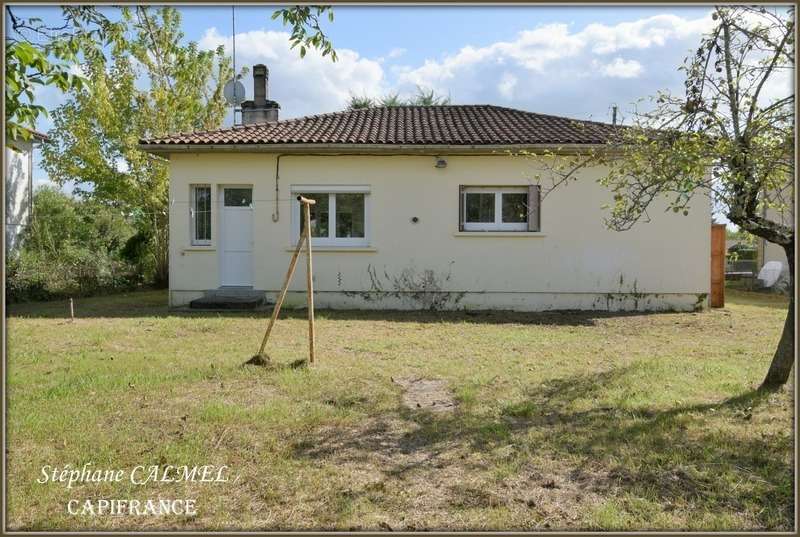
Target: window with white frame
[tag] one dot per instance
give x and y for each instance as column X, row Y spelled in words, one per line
column 492, row 208
column 200, row 214
column 338, row 218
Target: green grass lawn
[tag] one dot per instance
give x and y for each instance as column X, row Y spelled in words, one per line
column 563, row 420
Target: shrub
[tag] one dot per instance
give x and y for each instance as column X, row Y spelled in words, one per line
column 70, row 248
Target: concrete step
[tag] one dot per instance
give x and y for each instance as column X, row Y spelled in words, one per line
column 229, row 298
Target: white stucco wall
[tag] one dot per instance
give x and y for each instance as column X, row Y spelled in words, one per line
column 769, row 251
column 18, row 191
column 775, row 252
column 575, row 262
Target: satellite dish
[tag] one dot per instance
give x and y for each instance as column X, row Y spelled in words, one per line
column 234, row 92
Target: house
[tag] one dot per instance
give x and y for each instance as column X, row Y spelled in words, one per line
column 19, row 187
column 417, row 207
column 769, row 251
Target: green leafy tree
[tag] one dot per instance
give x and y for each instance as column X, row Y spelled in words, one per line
column 423, row 97
column 60, row 221
column 428, row 98
column 71, row 247
column 391, row 99
column 146, row 85
column 40, row 55
column 742, row 237
column 725, row 137
column 27, row 67
column 359, row 102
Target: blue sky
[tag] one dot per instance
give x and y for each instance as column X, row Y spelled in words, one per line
column 423, row 32
column 575, row 61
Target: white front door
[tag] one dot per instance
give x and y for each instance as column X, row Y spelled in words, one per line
column 236, row 248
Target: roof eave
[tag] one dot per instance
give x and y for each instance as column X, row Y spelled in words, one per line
column 40, row 136
column 356, row 149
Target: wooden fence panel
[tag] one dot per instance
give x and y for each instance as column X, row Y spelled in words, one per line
column 717, row 298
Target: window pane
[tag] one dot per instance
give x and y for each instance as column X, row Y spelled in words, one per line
column 319, row 215
column 350, row 215
column 238, row 197
column 515, row 207
column 202, row 213
column 480, row 207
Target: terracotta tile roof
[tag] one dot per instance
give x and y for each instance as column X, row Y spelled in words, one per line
column 36, row 135
column 40, row 136
column 409, row 125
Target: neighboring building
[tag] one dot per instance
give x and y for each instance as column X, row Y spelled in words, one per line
column 19, row 187
column 417, row 207
column 769, row 251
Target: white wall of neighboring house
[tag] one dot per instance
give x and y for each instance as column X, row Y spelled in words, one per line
column 19, row 191
column 769, row 251
column 774, row 252
column 575, row 262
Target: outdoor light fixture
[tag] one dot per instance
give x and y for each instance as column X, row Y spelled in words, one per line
column 441, row 163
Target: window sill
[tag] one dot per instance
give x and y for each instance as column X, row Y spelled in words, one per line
column 315, row 249
column 199, row 248
column 506, row 234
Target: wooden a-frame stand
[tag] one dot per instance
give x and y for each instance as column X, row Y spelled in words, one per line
column 304, row 238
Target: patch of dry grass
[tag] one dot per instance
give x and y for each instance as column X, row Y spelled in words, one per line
column 561, row 421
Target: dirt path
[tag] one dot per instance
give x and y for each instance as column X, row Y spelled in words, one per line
column 426, row 394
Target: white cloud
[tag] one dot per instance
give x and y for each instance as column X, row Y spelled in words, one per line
column 532, row 50
column 557, row 69
column 553, row 68
column 779, row 86
column 393, row 54
column 620, row 68
column 506, row 86
column 311, row 85
column 396, row 52
column 643, row 33
column 78, row 69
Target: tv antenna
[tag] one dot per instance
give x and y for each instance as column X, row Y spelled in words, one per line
column 233, row 91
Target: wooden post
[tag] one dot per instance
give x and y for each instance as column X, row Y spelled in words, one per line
column 71, row 310
column 717, row 298
column 279, row 302
column 306, row 236
column 309, row 279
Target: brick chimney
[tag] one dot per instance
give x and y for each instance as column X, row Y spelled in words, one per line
column 260, row 109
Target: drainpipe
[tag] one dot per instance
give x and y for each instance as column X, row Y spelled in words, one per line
column 277, row 214
column 30, row 186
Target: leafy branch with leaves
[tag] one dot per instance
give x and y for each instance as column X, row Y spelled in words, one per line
column 306, row 28
column 40, row 55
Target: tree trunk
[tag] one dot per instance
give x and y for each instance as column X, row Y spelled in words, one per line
column 160, row 246
column 782, row 361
